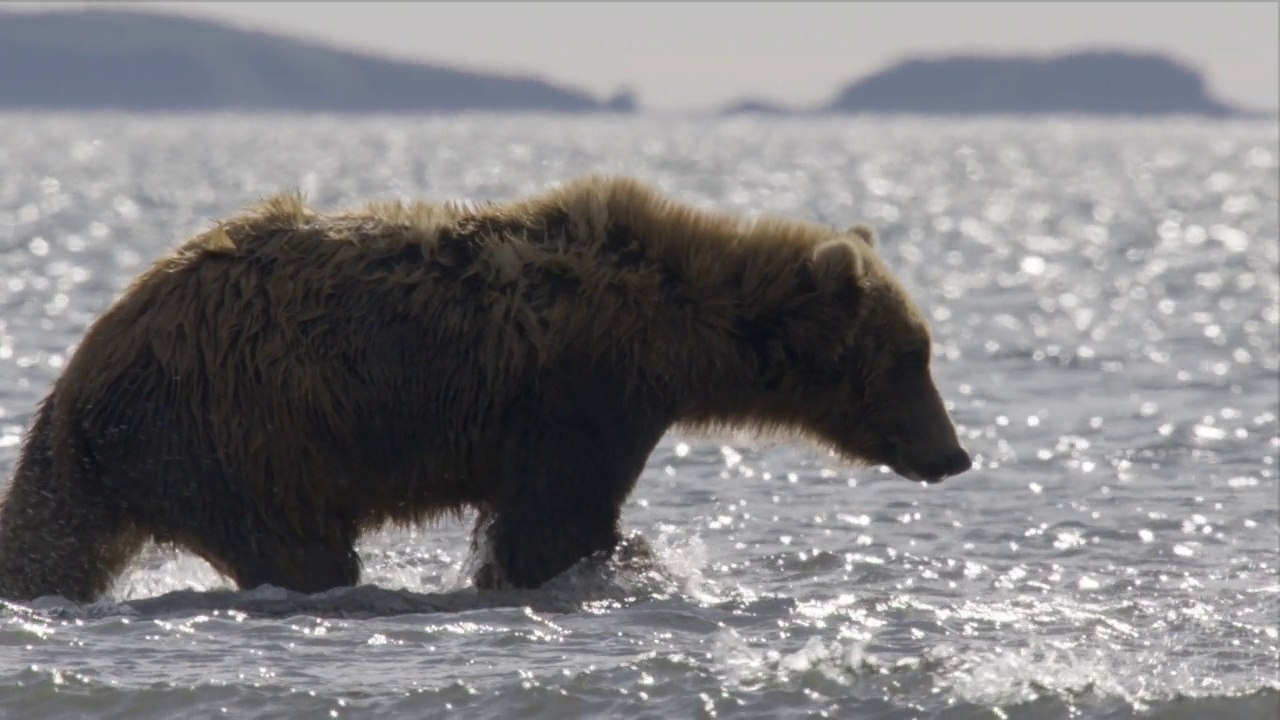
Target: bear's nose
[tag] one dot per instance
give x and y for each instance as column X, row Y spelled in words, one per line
column 940, row 467
column 957, row 462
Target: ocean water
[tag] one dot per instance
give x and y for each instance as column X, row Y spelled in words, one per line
column 1104, row 298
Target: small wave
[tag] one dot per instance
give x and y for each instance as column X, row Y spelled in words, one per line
column 747, row 666
column 1033, row 682
column 365, row 601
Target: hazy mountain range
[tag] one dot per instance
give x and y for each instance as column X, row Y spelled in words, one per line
column 136, row 61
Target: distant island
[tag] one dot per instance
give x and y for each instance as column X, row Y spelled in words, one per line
column 1083, row 83
column 143, row 62
column 138, row 61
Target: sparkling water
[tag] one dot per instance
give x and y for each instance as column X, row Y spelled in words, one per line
column 1103, row 297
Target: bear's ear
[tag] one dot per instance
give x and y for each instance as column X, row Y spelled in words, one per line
column 836, row 265
column 865, row 233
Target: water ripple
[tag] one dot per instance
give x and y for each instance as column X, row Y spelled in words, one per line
column 1105, row 299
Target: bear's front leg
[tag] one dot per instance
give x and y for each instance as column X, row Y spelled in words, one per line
column 537, row 537
column 571, row 453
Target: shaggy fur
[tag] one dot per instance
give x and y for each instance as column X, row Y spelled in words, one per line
column 290, row 379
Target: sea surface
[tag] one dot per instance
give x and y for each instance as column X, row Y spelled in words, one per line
column 1104, row 299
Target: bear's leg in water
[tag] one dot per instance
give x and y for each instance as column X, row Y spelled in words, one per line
column 571, row 455
column 254, row 552
column 59, row 533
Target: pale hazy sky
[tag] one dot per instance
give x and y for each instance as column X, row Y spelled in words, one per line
column 696, row 56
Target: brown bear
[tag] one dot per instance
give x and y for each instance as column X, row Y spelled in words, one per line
column 290, row 379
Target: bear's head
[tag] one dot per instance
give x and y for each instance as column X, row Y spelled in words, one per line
column 858, row 365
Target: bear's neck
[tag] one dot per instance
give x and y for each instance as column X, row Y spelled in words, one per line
column 724, row 352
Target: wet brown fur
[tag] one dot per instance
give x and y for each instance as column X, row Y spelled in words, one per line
column 290, row 379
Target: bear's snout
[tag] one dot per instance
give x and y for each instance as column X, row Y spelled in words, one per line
column 953, row 463
column 934, row 468
column 920, row 439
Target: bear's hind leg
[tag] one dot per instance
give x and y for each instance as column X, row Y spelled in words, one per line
column 58, row 534
column 56, row 539
column 259, row 556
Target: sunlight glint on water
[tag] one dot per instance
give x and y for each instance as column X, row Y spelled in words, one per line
column 1104, row 299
